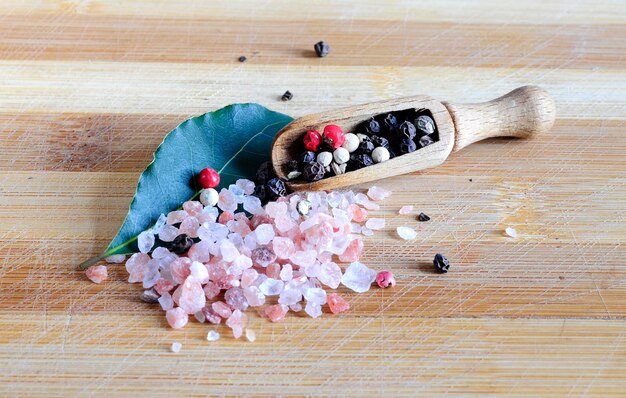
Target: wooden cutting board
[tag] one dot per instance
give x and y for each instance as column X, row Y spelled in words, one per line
column 89, row 87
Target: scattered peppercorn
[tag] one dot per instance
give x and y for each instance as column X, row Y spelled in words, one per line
column 312, row 140
column 364, row 160
column 425, row 124
column 422, row 217
column 333, row 136
column 314, row 171
column 208, row 178
column 321, row 49
column 276, row 188
column 181, row 244
column 366, row 147
column 380, row 141
column 260, row 192
column 307, row 157
column 407, row 145
column 264, row 173
column 441, row 263
column 373, row 127
column 407, row 130
column 287, row 96
column 390, row 122
column 425, row 141
column 243, row 58
column 149, row 296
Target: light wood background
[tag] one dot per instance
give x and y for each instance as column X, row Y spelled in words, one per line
column 89, row 87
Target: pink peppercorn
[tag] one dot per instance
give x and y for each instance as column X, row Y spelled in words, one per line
column 312, row 140
column 208, row 178
column 385, row 279
column 333, row 136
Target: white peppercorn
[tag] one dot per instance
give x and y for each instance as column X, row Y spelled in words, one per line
column 362, row 137
column 325, row 158
column 341, row 155
column 338, row 168
column 209, row 197
column 380, row 154
column 351, row 142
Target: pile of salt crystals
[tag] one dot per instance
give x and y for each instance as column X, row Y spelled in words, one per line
column 286, row 250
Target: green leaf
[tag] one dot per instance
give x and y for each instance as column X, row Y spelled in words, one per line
column 233, row 140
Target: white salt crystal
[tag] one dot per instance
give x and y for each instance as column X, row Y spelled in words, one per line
column 405, row 210
column 166, row 301
column 228, row 251
column 356, row 228
column 212, row 336
column 246, row 185
column 199, row 271
column 168, row 233
column 376, row 193
column 511, row 232
column 200, row 317
column 176, row 346
column 315, row 295
column 330, row 274
column 227, row 201
column 290, row 296
column 251, row 204
column 160, row 252
column 375, row 223
column 160, row 223
column 264, row 234
column 145, row 241
column 358, row 277
column 286, row 274
column 271, row 287
column 250, row 335
column 313, row 310
column 115, row 259
column 237, row 192
column 406, row 233
column 297, row 307
column 366, row 231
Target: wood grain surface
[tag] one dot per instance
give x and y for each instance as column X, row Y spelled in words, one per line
column 88, row 88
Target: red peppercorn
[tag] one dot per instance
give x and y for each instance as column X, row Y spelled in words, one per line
column 312, row 140
column 208, row 178
column 333, row 135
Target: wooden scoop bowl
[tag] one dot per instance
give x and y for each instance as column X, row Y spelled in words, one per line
column 521, row 113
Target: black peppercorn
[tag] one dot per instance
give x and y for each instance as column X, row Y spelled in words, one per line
column 407, row 130
column 425, row 141
column 265, row 172
column 441, row 263
column 181, row 244
column 425, row 124
column 379, row 141
column 364, row 160
column 275, row 188
column 366, row 147
column 407, row 145
column 314, row 171
column 243, row 58
column 423, row 217
column 307, row 157
column 373, row 127
column 293, row 165
column 390, row 122
column 260, row 192
column 287, row 96
column 321, row 49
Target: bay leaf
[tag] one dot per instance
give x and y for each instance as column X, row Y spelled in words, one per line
column 233, row 140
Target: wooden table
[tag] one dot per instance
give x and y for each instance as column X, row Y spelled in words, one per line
column 89, row 87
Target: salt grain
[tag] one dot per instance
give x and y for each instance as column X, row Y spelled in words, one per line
column 511, row 232
column 406, row 233
column 212, row 335
column 250, row 335
column 176, row 346
column 375, row 223
column 145, row 241
column 405, row 210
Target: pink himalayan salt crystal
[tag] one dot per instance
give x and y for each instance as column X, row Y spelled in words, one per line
column 235, row 299
column 228, row 251
column 97, row 273
column 375, row 223
column 115, row 259
column 200, row 252
column 264, row 234
column 176, row 216
column 254, row 296
column 405, row 210
column 222, row 309
column 211, row 316
column 283, row 247
column 180, row 269
column 225, row 217
column 313, row 310
column 163, row 286
column 168, row 233
column 136, row 267
column 177, row 318
column 200, row 272
column 192, row 298
column 211, row 290
column 273, row 271
column 237, row 322
column 277, row 312
column 385, row 279
column 330, row 274
column 193, row 208
column 337, row 304
column 304, row 258
column 209, row 214
column 353, row 251
column 276, row 209
column 286, row 274
column 263, row 256
column 284, row 223
column 189, row 227
column 358, row 277
column 166, row 301
column 246, row 185
column 377, row 193
column 227, row 201
column 358, row 213
column 248, row 277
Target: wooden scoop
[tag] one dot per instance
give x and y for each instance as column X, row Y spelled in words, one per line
column 521, row 113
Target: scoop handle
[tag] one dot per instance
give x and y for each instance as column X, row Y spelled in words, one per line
column 521, row 113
